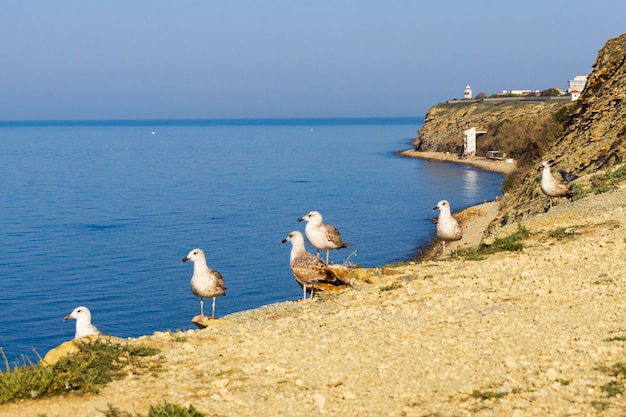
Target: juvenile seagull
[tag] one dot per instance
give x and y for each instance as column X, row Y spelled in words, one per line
column 308, row 270
column 83, row 322
column 205, row 282
column 552, row 187
column 320, row 235
column 448, row 228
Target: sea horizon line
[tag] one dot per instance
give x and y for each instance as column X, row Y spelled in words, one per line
column 293, row 121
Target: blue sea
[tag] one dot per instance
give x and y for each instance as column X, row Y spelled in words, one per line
column 101, row 214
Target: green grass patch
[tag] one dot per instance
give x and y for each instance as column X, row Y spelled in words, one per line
column 177, row 337
column 562, row 233
column 162, row 410
column 470, row 254
column 390, row 287
column 600, row 183
column 96, row 364
column 512, row 243
column 603, row 279
column 488, row 395
column 601, row 405
column 578, row 191
column 619, row 369
column 613, row 388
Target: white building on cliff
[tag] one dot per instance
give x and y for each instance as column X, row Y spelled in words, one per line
column 467, row 94
column 577, row 84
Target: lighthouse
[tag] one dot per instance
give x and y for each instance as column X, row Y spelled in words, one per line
column 467, row 95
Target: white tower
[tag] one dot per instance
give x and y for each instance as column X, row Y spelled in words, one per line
column 467, row 95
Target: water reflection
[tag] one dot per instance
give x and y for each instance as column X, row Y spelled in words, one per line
column 471, row 181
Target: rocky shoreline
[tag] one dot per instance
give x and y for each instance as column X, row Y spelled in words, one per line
column 533, row 332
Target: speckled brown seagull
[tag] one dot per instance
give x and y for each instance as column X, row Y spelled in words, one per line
column 308, row 270
column 448, row 228
column 205, row 282
column 551, row 186
column 320, row 235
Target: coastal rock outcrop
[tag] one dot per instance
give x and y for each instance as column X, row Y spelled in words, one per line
column 591, row 134
column 444, row 124
column 594, row 138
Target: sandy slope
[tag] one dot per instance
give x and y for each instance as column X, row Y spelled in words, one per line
column 526, row 333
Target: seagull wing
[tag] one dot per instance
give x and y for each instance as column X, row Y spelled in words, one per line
column 311, row 270
column 333, row 236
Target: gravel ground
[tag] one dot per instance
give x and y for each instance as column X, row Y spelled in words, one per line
column 528, row 333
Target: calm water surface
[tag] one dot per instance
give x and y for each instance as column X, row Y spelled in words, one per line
column 101, row 214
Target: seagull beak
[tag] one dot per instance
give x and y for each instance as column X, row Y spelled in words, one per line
column 185, row 260
column 284, row 240
column 67, row 318
column 435, row 208
column 301, row 219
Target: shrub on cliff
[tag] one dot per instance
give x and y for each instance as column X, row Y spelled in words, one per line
column 526, row 138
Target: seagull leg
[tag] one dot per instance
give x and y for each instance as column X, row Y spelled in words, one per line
column 318, row 253
column 327, row 251
column 213, row 309
column 443, row 251
column 303, row 292
column 201, row 308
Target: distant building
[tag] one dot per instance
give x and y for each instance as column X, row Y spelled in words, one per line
column 577, row 84
column 520, row 92
column 469, row 142
column 467, row 95
column 574, row 95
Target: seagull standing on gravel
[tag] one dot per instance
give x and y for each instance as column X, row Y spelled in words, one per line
column 205, row 282
column 82, row 315
column 551, row 186
column 448, row 228
column 308, row 270
column 320, row 235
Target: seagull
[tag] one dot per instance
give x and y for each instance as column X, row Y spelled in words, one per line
column 567, row 176
column 308, row 270
column 448, row 228
column 320, row 235
column 205, row 282
column 83, row 322
column 552, row 187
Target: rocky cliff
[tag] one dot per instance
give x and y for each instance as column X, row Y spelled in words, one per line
column 444, row 124
column 581, row 137
column 594, row 138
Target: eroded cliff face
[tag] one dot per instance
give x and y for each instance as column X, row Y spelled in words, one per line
column 595, row 136
column 444, row 124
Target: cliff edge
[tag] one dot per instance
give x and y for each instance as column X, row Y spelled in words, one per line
column 594, row 139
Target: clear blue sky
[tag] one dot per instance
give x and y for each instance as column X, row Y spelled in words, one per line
column 77, row 59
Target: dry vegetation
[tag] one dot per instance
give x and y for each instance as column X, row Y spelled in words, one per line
column 525, row 139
